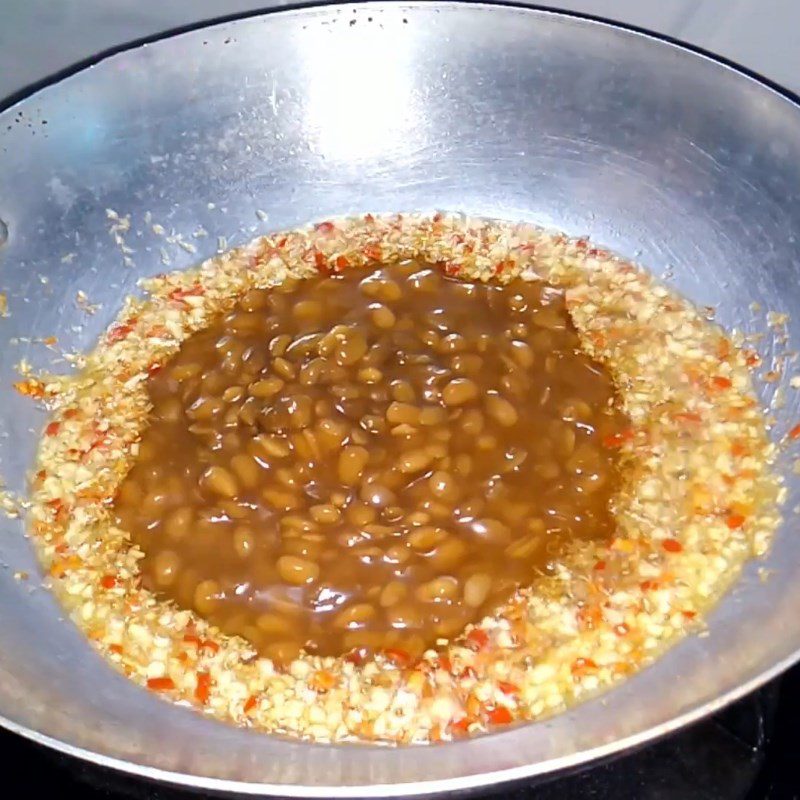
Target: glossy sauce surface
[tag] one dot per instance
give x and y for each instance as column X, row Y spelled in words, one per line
column 370, row 460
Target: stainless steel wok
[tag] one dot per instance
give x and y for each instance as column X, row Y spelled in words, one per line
column 662, row 154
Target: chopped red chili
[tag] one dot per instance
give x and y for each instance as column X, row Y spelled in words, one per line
column 478, row 637
column 459, row 727
column 500, row 715
column 160, row 684
column 581, row 666
column 400, row 658
column 373, row 252
column 321, row 263
column 202, row 690
column 468, row 673
column 357, row 656
column 119, row 332
column 250, row 704
column 617, row 439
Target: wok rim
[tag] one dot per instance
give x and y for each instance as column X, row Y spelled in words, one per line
column 545, row 770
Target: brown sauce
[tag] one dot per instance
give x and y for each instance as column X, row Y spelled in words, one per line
column 370, row 460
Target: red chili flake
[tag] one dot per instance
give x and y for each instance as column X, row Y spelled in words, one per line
column 688, row 416
column 118, row 333
column 108, row 581
column 583, row 665
column 500, row 266
column 342, row 262
column 324, row 227
column 600, row 565
column 617, row 439
column 207, row 644
column 400, row 658
column 449, row 268
column 369, row 218
column 500, row 715
column 478, row 637
column 437, row 217
column 735, row 521
column 115, row 648
column 589, row 618
column 154, row 369
column 460, row 727
column 357, row 656
column 373, row 252
column 672, row 545
column 202, row 690
column 445, row 664
column 689, row 614
column 506, row 687
column 321, row 263
column 191, row 638
column 752, row 359
column 52, row 429
column 179, row 293
column 250, row 704
column 721, row 382
column 622, row 629
column 468, row 673
column 794, row 433
column 160, row 684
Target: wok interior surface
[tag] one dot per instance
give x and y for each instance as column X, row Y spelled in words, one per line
column 663, row 155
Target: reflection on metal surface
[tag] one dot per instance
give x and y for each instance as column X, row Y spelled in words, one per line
column 660, row 154
column 359, row 104
column 3, row 233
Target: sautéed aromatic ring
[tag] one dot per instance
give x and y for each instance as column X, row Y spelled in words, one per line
column 697, row 499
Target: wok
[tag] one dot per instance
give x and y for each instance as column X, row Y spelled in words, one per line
column 665, row 155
